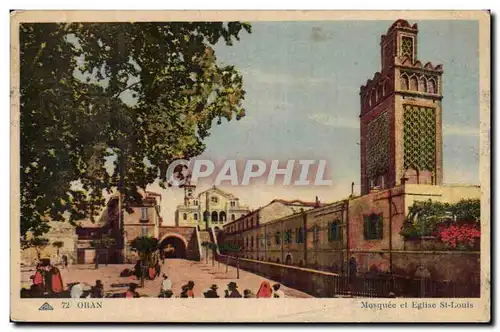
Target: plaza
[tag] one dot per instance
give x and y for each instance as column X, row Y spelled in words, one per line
column 179, row 271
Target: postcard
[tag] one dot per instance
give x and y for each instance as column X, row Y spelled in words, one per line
column 250, row 166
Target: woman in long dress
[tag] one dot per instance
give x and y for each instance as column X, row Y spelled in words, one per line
column 264, row 290
column 56, row 284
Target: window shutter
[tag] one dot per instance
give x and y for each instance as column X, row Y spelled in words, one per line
column 380, row 227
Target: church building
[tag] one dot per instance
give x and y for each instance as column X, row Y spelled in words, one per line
column 211, row 208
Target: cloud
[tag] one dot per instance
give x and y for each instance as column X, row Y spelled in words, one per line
column 460, row 130
column 334, row 120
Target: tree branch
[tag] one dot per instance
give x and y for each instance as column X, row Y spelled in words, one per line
column 128, row 87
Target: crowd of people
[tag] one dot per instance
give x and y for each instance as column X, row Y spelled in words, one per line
column 187, row 291
column 47, row 282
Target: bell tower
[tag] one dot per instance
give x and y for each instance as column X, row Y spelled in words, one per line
column 401, row 135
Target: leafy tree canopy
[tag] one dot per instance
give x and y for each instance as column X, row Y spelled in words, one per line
column 425, row 217
column 130, row 96
column 104, row 242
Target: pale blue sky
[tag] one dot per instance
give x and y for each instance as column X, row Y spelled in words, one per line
column 302, row 81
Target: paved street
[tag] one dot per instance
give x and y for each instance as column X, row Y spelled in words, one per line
column 179, row 271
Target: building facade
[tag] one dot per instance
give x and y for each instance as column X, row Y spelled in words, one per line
column 59, row 232
column 401, row 163
column 211, row 208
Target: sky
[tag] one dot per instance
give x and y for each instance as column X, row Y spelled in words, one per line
column 302, row 84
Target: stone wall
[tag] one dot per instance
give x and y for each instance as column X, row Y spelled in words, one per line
column 188, row 234
column 60, row 231
column 316, row 283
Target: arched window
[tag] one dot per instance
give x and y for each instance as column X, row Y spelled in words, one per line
column 222, row 216
column 373, row 97
column 233, row 217
column 251, row 242
column 386, row 88
column 184, row 216
column 413, row 84
column 195, row 216
column 422, row 84
column 380, row 92
column 404, row 82
column 215, row 216
column 431, row 86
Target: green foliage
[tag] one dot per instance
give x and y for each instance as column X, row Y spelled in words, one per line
column 230, row 248
column 105, row 242
column 58, row 244
column 38, row 243
column 209, row 245
column 135, row 95
column 147, row 248
column 35, row 242
column 424, row 218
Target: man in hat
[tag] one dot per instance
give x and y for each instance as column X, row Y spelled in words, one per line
column 232, row 291
column 212, row 292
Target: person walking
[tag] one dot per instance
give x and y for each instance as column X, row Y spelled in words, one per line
column 65, row 261
column 96, row 261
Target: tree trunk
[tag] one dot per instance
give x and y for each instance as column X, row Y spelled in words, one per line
column 227, row 262
column 206, row 255
column 237, row 267
column 213, row 257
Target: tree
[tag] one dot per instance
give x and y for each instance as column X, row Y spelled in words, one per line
column 427, row 218
column 104, row 242
column 228, row 249
column 146, row 247
column 37, row 243
column 209, row 246
column 58, row 245
column 135, row 95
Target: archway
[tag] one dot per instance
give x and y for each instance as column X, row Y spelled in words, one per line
column 177, row 243
column 215, row 216
column 222, row 216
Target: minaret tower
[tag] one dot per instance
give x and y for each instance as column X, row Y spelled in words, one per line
column 401, row 134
